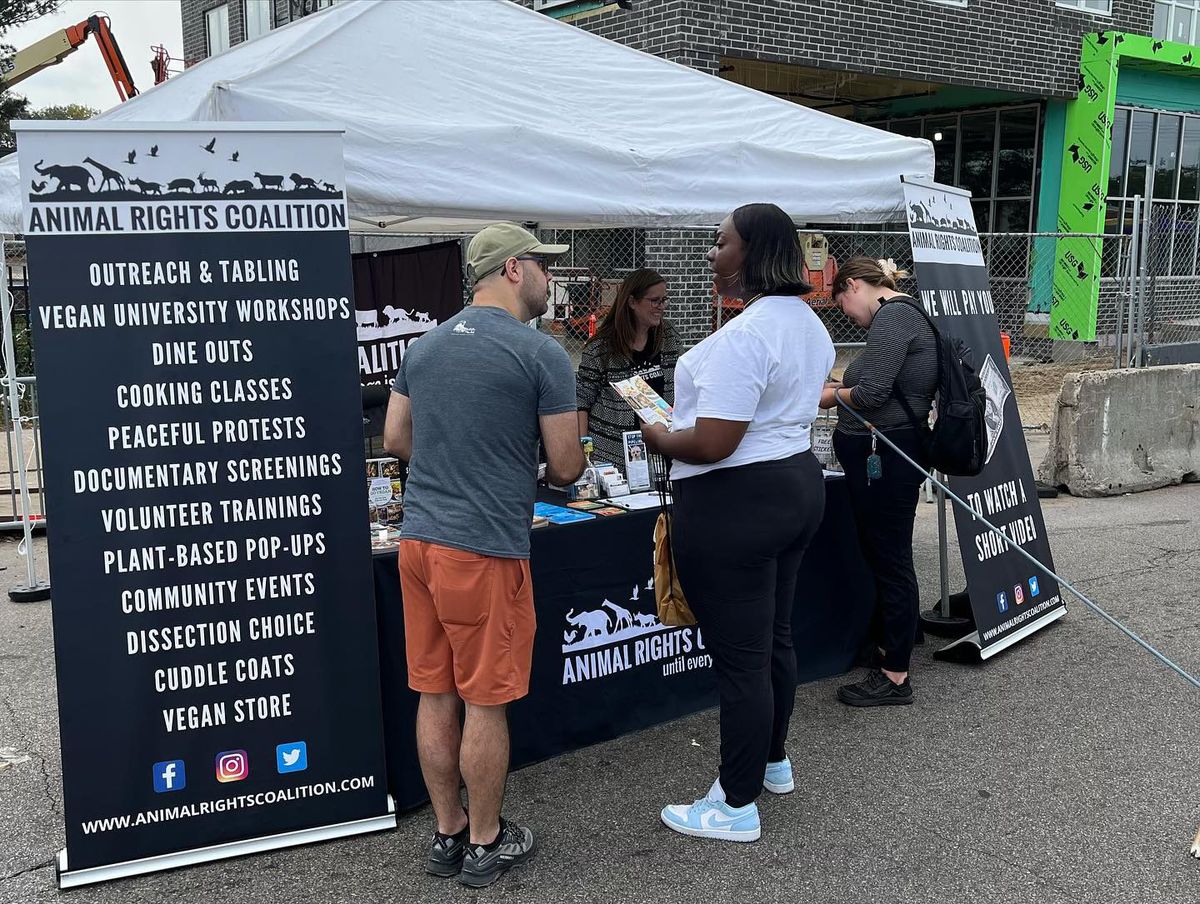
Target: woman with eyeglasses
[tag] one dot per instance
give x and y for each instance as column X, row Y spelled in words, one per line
column 632, row 339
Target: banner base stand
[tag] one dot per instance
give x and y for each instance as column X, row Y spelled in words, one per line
column 970, row 648
column 960, row 621
column 30, row 593
column 68, row 878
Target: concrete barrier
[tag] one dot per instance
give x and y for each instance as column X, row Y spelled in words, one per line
column 1123, row 431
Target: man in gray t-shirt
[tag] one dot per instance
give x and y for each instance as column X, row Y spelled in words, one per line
column 471, row 400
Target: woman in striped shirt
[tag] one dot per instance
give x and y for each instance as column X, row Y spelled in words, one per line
column 891, row 384
column 634, row 339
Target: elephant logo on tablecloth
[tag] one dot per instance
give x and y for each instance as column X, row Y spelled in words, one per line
column 594, row 623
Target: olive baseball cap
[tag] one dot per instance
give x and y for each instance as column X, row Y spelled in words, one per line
column 495, row 244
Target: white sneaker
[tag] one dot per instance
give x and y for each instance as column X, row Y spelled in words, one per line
column 778, row 779
column 711, row 817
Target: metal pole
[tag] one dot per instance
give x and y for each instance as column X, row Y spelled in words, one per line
column 943, row 552
column 34, row 590
column 1124, row 266
column 1147, row 223
column 1135, row 273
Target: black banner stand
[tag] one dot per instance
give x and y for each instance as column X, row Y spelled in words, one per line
column 215, row 636
column 1009, row 599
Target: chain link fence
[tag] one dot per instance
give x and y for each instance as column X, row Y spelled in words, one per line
column 1154, row 291
column 1166, row 309
column 1021, row 267
column 22, row 448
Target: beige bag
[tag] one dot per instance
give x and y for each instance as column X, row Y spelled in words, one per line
column 673, row 609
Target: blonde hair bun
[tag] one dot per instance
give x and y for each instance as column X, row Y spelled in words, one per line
column 890, row 270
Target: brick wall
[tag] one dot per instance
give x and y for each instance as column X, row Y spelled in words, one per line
column 1030, row 46
column 678, row 254
column 195, row 35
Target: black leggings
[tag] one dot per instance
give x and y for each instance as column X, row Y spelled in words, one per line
column 739, row 535
column 884, row 511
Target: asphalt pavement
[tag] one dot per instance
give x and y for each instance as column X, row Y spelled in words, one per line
column 1063, row 770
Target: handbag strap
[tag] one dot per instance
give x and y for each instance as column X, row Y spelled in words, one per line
column 660, row 468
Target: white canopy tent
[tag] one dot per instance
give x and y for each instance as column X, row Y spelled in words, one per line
column 460, row 112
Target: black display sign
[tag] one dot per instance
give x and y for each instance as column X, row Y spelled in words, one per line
column 215, row 636
column 1010, row 596
column 401, row 295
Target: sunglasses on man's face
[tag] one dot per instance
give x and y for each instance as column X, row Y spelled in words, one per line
column 542, row 262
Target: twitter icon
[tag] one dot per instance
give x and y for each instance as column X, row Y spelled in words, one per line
column 291, row 757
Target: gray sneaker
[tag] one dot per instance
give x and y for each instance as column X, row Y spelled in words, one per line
column 446, row 854
column 483, row 865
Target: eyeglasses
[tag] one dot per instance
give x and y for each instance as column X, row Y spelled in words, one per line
column 537, row 259
column 655, row 302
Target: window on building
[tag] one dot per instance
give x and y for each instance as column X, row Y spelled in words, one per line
column 992, row 153
column 258, row 17
column 1176, row 20
column 216, row 22
column 1159, row 152
column 298, row 9
column 1094, row 6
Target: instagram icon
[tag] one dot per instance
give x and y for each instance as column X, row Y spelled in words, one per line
column 232, row 766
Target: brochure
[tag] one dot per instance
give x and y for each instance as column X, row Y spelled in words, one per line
column 650, row 406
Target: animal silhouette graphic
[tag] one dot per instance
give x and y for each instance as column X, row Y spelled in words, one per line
column 394, row 315
column 329, row 186
column 369, row 318
column 238, row 187
column 147, row 188
column 209, row 147
column 920, row 213
column 419, row 316
column 269, row 181
column 594, row 622
column 37, row 186
column 154, row 150
column 108, row 175
column 570, row 636
column 1156, row 46
column 302, row 181
column 132, row 158
column 181, row 185
column 642, row 620
column 1187, row 57
column 622, row 616
column 634, row 596
column 234, row 156
column 76, row 177
column 208, row 184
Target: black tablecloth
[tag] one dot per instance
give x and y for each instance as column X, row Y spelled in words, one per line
column 600, row 671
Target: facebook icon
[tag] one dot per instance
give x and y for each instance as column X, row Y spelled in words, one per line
column 169, row 776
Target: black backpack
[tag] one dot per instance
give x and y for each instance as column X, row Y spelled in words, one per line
column 957, row 444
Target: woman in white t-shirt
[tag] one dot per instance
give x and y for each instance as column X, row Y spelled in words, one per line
column 748, row 498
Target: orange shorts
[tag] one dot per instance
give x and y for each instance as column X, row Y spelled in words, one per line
column 468, row 623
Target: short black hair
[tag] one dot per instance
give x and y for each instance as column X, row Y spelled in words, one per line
column 774, row 263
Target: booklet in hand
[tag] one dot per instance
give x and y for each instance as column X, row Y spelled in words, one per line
column 649, row 405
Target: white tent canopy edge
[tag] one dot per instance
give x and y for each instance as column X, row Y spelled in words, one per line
column 462, row 112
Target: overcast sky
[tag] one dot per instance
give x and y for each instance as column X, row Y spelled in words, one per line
column 82, row 78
